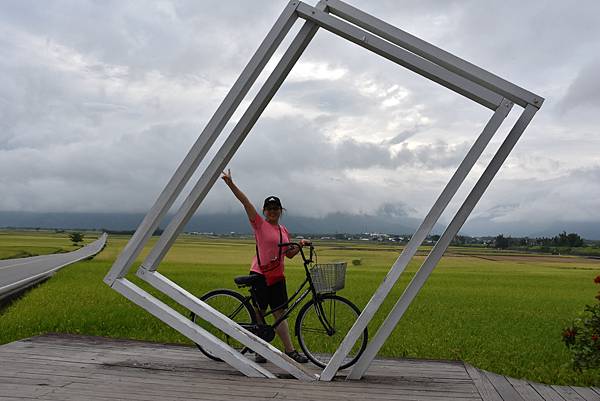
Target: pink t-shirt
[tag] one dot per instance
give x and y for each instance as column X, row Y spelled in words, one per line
column 267, row 239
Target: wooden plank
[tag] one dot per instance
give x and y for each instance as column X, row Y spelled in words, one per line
column 503, row 387
column 34, row 380
column 547, row 392
column 42, row 356
column 6, row 397
column 340, row 386
column 385, row 386
column 525, row 390
column 404, row 371
column 51, row 353
column 587, row 393
column 148, row 391
column 17, row 391
column 142, row 391
column 101, row 393
column 420, row 362
column 72, row 345
column 97, row 343
column 73, row 396
column 437, row 368
column 568, row 393
column 164, row 385
column 106, row 357
column 257, row 388
column 483, row 385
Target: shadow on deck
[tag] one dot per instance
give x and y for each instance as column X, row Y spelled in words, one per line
column 66, row 367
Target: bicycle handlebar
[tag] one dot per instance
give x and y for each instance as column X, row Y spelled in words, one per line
column 292, row 243
column 309, row 260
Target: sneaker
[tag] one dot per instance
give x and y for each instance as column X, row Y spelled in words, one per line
column 295, row 355
column 259, row 358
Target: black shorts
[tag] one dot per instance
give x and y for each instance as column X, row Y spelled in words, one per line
column 273, row 295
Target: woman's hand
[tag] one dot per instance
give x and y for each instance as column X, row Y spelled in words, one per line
column 227, row 177
column 304, row 242
column 250, row 211
column 293, row 250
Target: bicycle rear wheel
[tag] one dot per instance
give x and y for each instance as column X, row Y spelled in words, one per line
column 316, row 342
column 233, row 305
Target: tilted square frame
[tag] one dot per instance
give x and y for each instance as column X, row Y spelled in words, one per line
column 479, row 85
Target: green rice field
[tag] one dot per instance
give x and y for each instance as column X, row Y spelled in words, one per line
column 499, row 311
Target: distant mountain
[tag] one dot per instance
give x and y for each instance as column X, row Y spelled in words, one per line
column 216, row 223
column 588, row 230
column 385, row 221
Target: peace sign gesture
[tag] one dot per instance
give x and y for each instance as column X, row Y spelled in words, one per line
column 227, row 177
column 250, row 210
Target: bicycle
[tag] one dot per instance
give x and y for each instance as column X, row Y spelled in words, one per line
column 321, row 324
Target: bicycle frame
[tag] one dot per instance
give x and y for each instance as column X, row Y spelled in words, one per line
column 290, row 308
column 311, row 289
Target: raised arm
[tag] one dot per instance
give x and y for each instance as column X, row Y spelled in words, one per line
column 250, row 210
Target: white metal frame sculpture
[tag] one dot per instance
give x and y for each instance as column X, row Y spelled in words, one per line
column 479, row 85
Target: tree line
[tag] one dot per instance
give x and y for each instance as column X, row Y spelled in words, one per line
column 571, row 240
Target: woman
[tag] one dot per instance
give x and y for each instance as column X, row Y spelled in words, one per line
column 269, row 261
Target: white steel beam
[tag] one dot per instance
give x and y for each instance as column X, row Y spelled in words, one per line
column 411, row 248
column 432, row 71
column 432, row 53
column 225, row 324
column 359, row 369
column 189, row 329
column 228, row 149
column 203, row 144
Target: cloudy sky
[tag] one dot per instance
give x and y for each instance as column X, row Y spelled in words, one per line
column 101, row 100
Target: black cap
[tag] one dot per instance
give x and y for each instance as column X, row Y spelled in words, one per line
column 272, row 201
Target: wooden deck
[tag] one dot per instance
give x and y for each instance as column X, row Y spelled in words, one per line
column 64, row 367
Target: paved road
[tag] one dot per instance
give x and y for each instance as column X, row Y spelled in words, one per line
column 16, row 274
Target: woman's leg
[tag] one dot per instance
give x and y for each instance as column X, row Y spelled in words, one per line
column 283, row 331
column 278, row 299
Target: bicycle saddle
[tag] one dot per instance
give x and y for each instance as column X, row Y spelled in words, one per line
column 250, row 280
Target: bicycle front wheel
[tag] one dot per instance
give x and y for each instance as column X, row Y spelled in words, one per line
column 233, row 305
column 311, row 328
